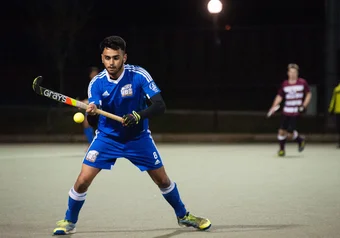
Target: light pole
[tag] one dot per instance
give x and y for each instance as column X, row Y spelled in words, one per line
column 214, row 8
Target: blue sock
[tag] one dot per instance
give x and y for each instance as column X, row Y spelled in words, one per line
column 75, row 202
column 89, row 134
column 172, row 196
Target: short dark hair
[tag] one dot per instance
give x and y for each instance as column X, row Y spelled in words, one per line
column 113, row 42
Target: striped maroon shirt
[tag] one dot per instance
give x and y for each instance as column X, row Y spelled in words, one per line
column 293, row 94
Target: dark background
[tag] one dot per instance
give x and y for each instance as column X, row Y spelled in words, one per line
column 173, row 40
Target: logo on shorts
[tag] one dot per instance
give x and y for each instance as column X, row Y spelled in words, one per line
column 92, row 155
column 126, row 90
column 156, row 158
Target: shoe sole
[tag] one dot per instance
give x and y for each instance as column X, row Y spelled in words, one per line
column 62, row 232
column 301, row 148
column 198, row 228
column 204, row 229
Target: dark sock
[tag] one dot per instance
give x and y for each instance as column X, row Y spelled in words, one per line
column 298, row 139
column 282, row 144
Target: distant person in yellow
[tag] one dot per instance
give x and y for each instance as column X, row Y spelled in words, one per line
column 334, row 108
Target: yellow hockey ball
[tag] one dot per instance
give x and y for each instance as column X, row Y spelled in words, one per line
column 78, row 117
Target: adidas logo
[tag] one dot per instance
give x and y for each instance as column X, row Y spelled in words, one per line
column 157, row 162
column 105, row 94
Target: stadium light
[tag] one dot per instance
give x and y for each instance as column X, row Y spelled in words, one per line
column 215, row 6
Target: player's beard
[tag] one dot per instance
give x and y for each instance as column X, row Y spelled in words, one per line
column 116, row 72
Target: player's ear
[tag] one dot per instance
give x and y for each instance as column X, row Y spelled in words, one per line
column 125, row 58
column 102, row 58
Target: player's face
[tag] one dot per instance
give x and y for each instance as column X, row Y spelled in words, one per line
column 293, row 73
column 113, row 61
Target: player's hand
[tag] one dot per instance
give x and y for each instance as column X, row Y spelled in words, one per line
column 302, row 109
column 131, row 119
column 91, row 109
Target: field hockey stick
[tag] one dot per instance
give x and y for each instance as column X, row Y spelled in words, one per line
column 271, row 112
column 67, row 100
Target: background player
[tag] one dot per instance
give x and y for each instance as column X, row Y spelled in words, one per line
column 88, row 130
column 296, row 93
column 123, row 90
column 334, row 108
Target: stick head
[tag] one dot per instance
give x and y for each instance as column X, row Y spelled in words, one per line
column 36, row 84
column 271, row 112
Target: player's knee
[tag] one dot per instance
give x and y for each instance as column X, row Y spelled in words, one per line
column 163, row 182
column 82, row 184
column 81, row 187
column 282, row 132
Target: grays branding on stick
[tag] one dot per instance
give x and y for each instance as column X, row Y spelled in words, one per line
column 68, row 100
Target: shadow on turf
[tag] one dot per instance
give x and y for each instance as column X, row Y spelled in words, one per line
column 213, row 229
column 291, row 157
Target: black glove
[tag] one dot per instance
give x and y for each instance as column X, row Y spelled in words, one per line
column 131, row 119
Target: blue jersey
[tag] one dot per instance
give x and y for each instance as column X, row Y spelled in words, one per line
column 122, row 96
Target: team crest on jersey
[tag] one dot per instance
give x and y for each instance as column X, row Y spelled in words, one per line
column 92, row 155
column 153, row 87
column 126, row 90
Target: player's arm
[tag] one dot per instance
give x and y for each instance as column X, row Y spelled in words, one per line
column 308, row 97
column 157, row 106
column 332, row 103
column 277, row 101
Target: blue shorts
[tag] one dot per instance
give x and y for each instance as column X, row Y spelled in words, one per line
column 104, row 151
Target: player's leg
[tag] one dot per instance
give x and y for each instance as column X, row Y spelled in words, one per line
column 76, row 199
column 170, row 193
column 299, row 139
column 100, row 155
column 282, row 138
column 337, row 118
column 168, row 189
column 294, row 134
column 282, row 135
column 144, row 154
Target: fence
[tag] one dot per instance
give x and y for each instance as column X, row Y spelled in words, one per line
column 54, row 120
